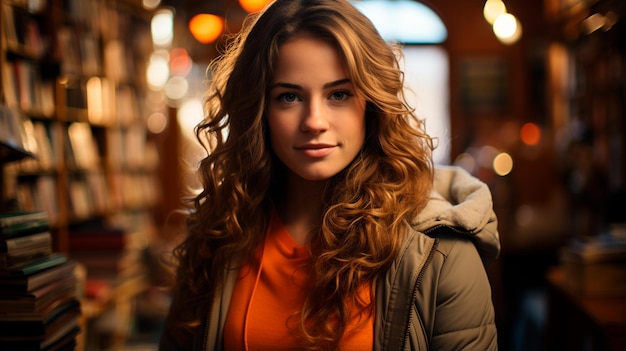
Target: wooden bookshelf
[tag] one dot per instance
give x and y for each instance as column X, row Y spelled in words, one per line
column 72, row 70
column 586, row 67
column 86, row 114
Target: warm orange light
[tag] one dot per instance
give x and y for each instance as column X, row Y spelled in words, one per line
column 253, row 5
column 205, row 27
column 530, row 134
column 180, row 62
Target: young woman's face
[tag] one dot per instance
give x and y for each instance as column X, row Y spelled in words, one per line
column 316, row 117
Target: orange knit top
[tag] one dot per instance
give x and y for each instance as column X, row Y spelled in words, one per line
column 270, row 291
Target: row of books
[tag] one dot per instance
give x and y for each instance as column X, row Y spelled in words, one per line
column 24, row 87
column 78, row 47
column 94, row 99
column 12, row 136
column 84, row 44
column 77, row 145
column 36, row 194
column 39, row 304
column 89, row 194
column 22, row 32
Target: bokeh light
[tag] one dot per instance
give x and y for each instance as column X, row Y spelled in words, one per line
column 507, row 28
column 162, row 27
column 253, row 5
column 158, row 70
column 176, row 88
column 493, row 9
column 156, row 122
column 530, row 134
column 180, row 62
column 206, row 28
column 503, row 164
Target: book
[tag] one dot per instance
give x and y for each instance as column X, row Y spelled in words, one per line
column 45, row 152
column 43, row 314
column 84, row 145
column 80, row 201
column 12, row 245
column 64, row 339
column 28, row 283
column 20, row 223
column 40, row 299
column 88, row 239
column 13, row 144
column 24, row 256
column 9, row 85
column 45, row 193
column 39, row 325
column 99, row 193
column 34, row 267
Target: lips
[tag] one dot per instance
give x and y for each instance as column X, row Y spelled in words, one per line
column 316, row 150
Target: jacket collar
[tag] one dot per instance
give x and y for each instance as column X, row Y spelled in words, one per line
column 462, row 202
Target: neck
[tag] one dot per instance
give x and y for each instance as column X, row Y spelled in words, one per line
column 300, row 212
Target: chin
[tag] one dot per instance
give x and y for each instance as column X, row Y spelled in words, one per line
column 316, row 177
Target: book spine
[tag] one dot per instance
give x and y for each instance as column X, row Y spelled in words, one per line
column 48, row 276
column 12, row 245
column 25, row 228
column 20, row 218
column 34, row 267
column 11, row 261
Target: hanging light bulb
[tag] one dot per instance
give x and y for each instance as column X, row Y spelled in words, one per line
column 493, row 9
column 507, row 28
column 253, row 5
column 206, row 28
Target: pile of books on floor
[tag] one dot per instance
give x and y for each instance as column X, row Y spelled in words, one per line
column 39, row 307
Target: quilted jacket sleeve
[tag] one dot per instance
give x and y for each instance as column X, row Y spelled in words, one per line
column 464, row 313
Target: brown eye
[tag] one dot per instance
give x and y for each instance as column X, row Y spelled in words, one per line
column 287, row 97
column 340, row 95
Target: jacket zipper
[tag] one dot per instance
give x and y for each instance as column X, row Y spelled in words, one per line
column 417, row 284
column 205, row 336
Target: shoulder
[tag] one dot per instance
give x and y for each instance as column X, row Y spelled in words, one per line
column 451, row 243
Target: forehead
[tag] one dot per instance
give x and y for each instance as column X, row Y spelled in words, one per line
column 306, row 55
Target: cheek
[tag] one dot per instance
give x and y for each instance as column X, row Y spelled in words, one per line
column 360, row 129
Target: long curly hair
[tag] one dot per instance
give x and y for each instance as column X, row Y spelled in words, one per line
column 367, row 206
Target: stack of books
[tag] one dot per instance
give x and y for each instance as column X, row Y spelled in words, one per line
column 111, row 260
column 39, row 306
column 596, row 266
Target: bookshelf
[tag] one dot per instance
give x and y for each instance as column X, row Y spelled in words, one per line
column 586, row 61
column 72, row 74
column 586, row 66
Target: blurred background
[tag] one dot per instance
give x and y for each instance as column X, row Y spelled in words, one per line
column 100, row 98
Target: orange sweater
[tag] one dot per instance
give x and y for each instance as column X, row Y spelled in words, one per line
column 270, row 291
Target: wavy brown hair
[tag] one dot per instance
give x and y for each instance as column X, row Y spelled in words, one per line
column 366, row 206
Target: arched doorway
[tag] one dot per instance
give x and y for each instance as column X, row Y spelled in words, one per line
column 421, row 31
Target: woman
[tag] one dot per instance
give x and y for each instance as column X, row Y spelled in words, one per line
column 322, row 223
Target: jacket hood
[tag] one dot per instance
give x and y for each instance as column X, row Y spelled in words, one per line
column 462, row 202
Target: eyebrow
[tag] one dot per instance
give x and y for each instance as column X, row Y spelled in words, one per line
column 298, row 87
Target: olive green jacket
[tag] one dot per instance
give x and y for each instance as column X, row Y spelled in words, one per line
column 436, row 295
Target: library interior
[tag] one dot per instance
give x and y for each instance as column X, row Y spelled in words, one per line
column 98, row 104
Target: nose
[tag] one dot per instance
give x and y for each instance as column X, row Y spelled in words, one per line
column 315, row 119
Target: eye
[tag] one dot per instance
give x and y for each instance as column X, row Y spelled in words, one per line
column 287, row 97
column 340, row 95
